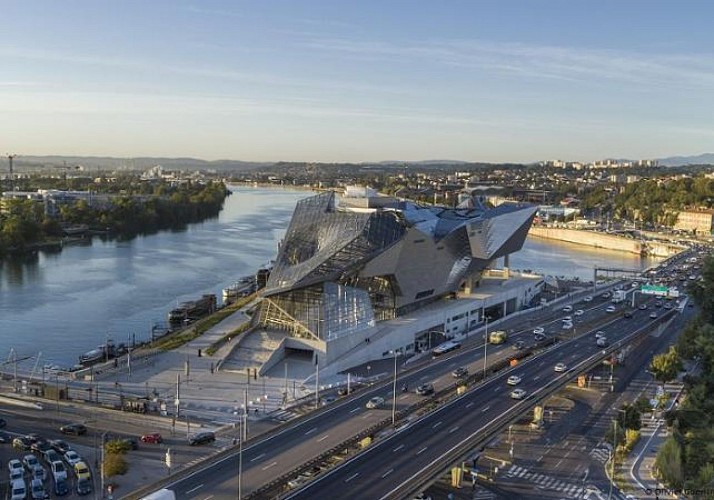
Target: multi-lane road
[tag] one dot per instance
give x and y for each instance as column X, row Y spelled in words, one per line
column 307, row 438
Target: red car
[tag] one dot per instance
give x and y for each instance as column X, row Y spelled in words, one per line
column 154, row 437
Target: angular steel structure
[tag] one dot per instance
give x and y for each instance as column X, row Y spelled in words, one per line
column 347, row 263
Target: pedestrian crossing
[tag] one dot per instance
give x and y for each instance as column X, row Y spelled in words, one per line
column 544, row 481
column 601, row 453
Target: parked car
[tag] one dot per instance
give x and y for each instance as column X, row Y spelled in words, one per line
column 72, row 457
column 59, row 471
column 460, row 372
column 61, row 488
column 30, row 462
column 50, row 456
column 202, row 438
column 84, row 486
column 425, row 389
column 40, row 446
column 73, row 429
column 518, row 394
column 153, row 437
column 17, row 471
column 37, row 490
column 375, row 402
column 18, row 490
column 60, row 446
column 39, row 473
column 82, row 471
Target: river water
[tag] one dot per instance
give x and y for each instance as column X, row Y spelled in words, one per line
column 63, row 304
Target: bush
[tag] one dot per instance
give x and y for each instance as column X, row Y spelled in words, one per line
column 116, row 447
column 114, row 464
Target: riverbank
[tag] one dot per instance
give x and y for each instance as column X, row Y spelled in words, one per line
column 608, row 241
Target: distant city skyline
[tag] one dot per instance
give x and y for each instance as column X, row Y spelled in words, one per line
column 339, row 81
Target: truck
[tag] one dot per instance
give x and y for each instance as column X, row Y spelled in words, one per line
column 618, row 296
column 497, row 337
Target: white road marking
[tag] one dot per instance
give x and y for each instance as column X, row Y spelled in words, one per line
column 398, row 448
column 454, row 429
column 311, row 431
column 323, row 438
column 485, row 409
column 367, row 415
column 541, row 363
column 352, row 477
column 258, row 457
column 387, row 473
column 403, row 396
column 273, row 464
column 536, row 378
column 355, row 409
column 208, row 497
column 196, row 488
column 436, row 425
column 421, row 451
column 497, row 389
column 470, row 404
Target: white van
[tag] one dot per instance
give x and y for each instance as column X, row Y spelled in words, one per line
column 18, row 490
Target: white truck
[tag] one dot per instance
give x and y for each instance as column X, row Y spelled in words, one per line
column 618, row 296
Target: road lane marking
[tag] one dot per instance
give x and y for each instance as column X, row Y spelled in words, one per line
column 424, row 377
column 194, row 489
column 436, row 425
column 398, row 448
column 367, row 415
column 485, row 409
column 355, row 409
column 536, row 378
column 470, row 404
column 541, row 363
column 258, row 457
column 311, row 431
column 497, row 389
column 404, row 396
column 454, row 429
column 421, row 451
column 387, row 473
column 273, row 464
column 323, row 438
column 208, row 497
column 352, row 477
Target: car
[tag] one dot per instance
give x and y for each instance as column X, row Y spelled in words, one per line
column 567, row 325
column 460, row 372
column 568, row 309
column 513, row 380
column 605, row 295
column 60, row 446
column 18, row 490
column 658, row 304
column 73, row 429
column 84, row 486
column 37, row 490
column 668, row 305
column 538, row 330
column 579, row 312
column 153, row 437
column 82, row 471
column 61, row 488
column 518, row 394
column 39, row 473
column 653, row 315
column 610, row 309
column 599, row 334
column 51, row 455
column 40, row 446
column 539, row 337
column 130, row 442
column 72, row 457
column 567, row 319
column 518, row 345
column 588, row 298
column 34, row 437
column 425, row 389
column 628, row 314
column 601, row 342
column 560, row 367
column 59, row 471
column 21, row 443
column 30, row 462
column 17, row 471
column 5, row 438
column 375, row 402
column 344, row 391
column 642, row 307
column 202, row 438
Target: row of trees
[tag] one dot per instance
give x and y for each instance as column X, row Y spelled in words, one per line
column 686, row 458
column 24, row 223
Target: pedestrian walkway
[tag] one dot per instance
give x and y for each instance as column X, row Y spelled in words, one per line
column 546, row 482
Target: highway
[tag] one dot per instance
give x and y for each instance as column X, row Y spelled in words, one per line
column 391, row 467
column 298, row 442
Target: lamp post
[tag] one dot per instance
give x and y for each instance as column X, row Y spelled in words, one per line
column 394, row 391
column 485, row 346
column 101, row 465
column 614, row 454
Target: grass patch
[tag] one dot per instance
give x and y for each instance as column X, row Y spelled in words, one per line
column 174, row 340
column 226, row 338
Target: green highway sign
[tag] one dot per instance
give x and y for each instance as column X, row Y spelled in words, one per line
column 654, row 290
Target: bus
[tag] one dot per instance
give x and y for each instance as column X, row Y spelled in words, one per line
column 163, row 494
column 447, row 346
column 497, row 337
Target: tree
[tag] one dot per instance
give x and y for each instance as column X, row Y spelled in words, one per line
column 666, row 366
column 668, row 463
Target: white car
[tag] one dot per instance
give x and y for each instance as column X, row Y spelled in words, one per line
column 375, row 402
column 560, row 367
column 16, row 469
column 610, row 309
column 72, row 457
column 588, row 298
column 59, row 471
column 518, row 394
column 513, row 380
column 568, row 309
column 567, row 326
column 538, row 331
column 579, row 312
column 599, row 334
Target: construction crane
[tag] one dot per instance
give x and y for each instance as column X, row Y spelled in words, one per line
column 14, row 361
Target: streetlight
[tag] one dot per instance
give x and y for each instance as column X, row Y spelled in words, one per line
column 485, row 346
column 614, row 453
column 394, row 398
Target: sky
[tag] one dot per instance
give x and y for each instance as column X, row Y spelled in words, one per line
column 358, row 81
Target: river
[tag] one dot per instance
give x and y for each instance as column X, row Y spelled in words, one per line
column 63, row 304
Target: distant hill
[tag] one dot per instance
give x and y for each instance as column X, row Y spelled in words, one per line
column 678, row 161
column 141, row 163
